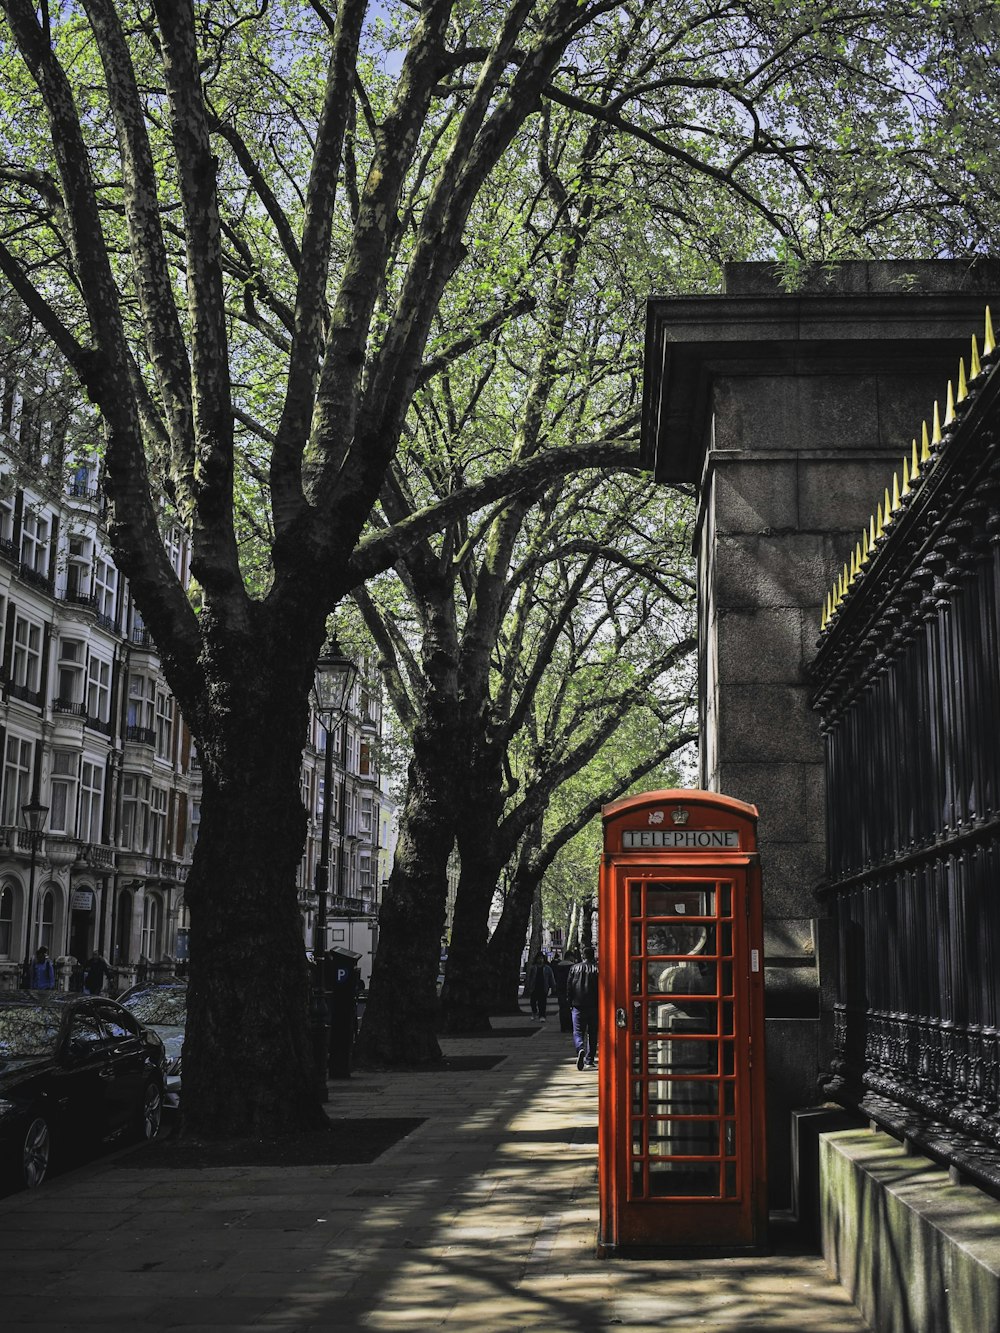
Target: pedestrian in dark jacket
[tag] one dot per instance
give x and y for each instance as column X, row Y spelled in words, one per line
column 581, row 990
column 95, row 973
column 541, row 984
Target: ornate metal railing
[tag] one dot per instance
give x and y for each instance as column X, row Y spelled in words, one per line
column 908, row 685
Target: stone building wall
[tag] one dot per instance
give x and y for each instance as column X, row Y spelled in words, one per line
column 790, row 411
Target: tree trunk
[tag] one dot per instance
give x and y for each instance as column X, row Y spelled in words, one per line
column 586, row 923
column 248, row 1060
column 503, row 953
column 401, row 1015
column 465, row 997
column 535, row 932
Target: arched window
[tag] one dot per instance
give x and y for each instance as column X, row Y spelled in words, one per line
column 123, row 928
column 47, row 921
column 7, row 891
column 151, row 919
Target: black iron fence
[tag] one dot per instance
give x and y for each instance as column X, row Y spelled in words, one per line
column 908, row 685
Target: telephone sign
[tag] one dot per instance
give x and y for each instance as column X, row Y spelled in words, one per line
column 682, row 1026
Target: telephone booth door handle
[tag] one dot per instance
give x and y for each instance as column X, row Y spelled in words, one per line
column 621, row 1018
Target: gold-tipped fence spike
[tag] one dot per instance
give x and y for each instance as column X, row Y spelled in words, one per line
column 886, row 510
column 925, row 445
column 857, row 560
column 963, row 385
column 871, row 533
column 866, row 547
column 989, row 342
column 879, row 526
column 853, row 569
column 895, row 492
column 847, row 580
column 975, row 369
column 949, row 414
column 914, row 461
column 936, row 437
column 904, row 490
column 823, row 618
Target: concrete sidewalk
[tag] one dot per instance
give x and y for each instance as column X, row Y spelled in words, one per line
column 482, row 1219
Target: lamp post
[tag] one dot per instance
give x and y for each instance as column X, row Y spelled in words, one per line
column 333, row 681
column 34, row 814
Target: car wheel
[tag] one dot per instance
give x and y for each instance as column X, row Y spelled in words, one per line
column 36, row 1152
column 151, row 1112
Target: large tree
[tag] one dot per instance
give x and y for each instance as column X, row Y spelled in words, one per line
column 244, row 225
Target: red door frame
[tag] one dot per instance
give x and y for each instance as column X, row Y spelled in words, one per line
column 721, row 850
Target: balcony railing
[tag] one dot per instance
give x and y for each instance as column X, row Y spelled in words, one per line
column 37, row 580
column 9, row 550
column 85, row 600
column 140, row 735
column 68, row 706
column 24, row 693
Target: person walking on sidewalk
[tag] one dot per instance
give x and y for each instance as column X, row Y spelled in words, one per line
column 541, row 984
column 581, row 989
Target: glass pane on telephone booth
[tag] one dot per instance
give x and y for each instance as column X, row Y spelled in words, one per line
column 683, row 1141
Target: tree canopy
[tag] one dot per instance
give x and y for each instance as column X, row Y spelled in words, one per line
column 255, row 229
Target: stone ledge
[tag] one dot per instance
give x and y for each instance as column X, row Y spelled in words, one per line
column 917, row 1253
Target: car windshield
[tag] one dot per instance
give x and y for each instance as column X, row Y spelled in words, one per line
column 27, row 1031
column 168, row 1007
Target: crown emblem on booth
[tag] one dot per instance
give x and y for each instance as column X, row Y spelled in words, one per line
column 679, row 815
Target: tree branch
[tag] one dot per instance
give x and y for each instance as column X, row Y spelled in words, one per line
column 377, row 553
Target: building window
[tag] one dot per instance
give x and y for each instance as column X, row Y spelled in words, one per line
column 141, row 703
column 135, row 815
column 47, row 920
column 151, row 919
column 16, row 778
column 158, row 821
column 7, row 520
column 174, row 543
column 99, row 689
column 26, row 660
column 164, row 724
column 91, row 801
column 105, row 586
column 70, row 665
column 6, row 919
column 62, row 799
column 78, row 569
column 35, row 533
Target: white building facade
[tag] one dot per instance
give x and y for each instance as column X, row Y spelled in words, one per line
column 93, row 746
column 89, row 738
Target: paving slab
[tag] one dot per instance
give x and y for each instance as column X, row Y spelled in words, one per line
column 483, row 1220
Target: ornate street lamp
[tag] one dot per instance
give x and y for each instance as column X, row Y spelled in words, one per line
column 333, row 682
column 33, row 813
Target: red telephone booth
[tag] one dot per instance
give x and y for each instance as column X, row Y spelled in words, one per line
column 681, row 1038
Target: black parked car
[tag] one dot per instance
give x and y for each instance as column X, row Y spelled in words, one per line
column 73, row 1069
column 161, row 1006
